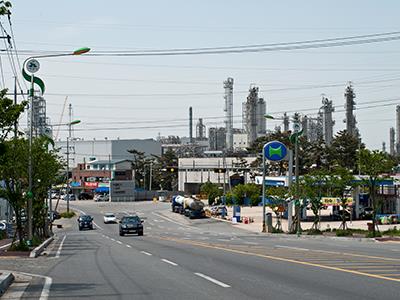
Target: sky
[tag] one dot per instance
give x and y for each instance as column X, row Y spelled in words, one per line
column 143, row 97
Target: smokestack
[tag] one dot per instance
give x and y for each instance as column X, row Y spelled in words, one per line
column 397, row 129
column 191, row 125
column 391, row 142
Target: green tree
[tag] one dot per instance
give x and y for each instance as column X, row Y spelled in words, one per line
column 211, row 190
column 249, row 190
column 14, row 171
column 343, row 151
column 166, row 171
column 341, row 184
column 374, row 164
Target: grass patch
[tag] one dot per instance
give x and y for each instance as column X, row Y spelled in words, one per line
column 372, row 235
column 341, row 232
column 67, row 215
column 392, row 232
column 314, row 232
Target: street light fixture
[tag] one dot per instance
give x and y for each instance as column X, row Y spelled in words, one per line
column 32, row 66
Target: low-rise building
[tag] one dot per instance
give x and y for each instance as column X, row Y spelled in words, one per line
column 193, row 172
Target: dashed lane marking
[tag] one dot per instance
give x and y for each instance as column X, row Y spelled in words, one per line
column 119, row 242
column 217, row 282
column 146, row 253
column 129, row 246
column 169, row 262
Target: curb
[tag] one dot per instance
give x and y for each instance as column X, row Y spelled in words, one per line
column 5, row 281
column 39, row 249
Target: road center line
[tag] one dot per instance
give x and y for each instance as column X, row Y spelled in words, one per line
column 169, row 262
column 60, row 247
column 217, row 282
column 147, row 253
column 293, row 248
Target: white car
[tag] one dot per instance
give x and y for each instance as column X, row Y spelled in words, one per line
column 110, row 218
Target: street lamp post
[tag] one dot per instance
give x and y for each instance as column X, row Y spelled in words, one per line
column 32, row 66
column 68, row 138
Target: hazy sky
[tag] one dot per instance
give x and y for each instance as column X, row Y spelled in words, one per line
column 139, row 97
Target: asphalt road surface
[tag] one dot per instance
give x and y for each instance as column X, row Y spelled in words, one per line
column 178, row 258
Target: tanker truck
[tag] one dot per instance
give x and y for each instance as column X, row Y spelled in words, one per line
column 177, row 204
column 193, row 208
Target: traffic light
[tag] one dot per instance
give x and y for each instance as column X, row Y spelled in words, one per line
column 219, row 170
column 172, row 169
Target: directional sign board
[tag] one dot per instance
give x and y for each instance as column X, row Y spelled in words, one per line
column 275, row 151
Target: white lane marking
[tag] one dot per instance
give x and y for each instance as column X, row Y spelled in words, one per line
column 397, row 250
column 150, row 223
column 169, row 262
column 119, row 242
column 44, row 295
column 250, row 243
column 148, row 228
column 162, row 227
column 60, row 247
column 147, row 253
column 5, row 246
column 224, row 285
column 129, row 246
column 293, row 248
column 172, row 221
column 113, row 240
column 97, row 226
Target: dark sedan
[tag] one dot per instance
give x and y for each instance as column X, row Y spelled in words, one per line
column 85, row 222
column 130, row 224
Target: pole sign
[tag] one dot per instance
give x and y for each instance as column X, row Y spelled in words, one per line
column 275, row 151
column 32, row 65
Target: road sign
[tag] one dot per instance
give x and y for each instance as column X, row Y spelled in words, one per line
column 32, row 65
column 275, row 151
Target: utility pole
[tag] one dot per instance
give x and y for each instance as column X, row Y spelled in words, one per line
column 68, row 138
column 30, row 185
column 285, row 122
column 151, row 175
column 397, row 147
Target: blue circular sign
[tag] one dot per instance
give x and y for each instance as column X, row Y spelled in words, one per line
column 275, row 151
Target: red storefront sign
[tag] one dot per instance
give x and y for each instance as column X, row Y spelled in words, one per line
column 91, row 185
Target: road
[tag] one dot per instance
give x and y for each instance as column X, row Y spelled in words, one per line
column 179, row 258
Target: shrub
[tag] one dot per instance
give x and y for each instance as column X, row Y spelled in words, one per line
column 67, row 215
column 341, row 232
column 392, row 232
column 19, row 247
column 314, row 232
column 3, row 234
column 371, row 234
column 36, row 241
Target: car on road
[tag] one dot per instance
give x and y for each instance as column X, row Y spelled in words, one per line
column 101, row 198
column 85, row 196
column 109, row 218
column 130, row 224
column 85, row 222
column 338, row 215
column 367, row 213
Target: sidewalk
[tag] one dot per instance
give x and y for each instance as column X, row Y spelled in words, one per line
column 256, row 212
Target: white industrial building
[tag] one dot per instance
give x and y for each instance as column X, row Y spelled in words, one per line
column 82, row 151
column 193, row 172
